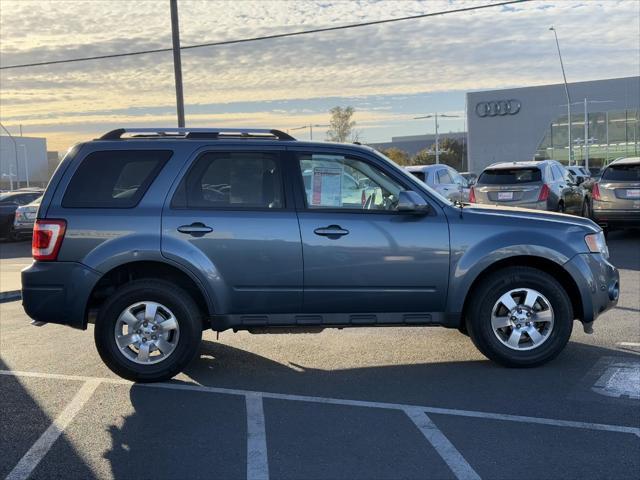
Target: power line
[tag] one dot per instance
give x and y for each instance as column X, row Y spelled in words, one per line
column 265, row 37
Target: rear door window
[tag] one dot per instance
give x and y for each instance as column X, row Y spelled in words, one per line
column 506, row 176
column 114, row 178
column 622, row 173
column 237, row 180
column 444, row 177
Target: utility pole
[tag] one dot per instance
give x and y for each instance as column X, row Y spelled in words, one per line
column 566, row 91
column 177, row 61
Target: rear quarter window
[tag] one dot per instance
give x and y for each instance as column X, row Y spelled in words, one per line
column 114, row 178
column 628, row 173
column 505, row 176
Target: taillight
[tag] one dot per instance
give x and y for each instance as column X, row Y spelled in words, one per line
column 472, row 195
column 595, row 192
column 544, row 193
column 47, row 238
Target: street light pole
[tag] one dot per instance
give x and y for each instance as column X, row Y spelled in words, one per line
column 566, row 91
column 15, row 150
column 435, row 116
column 177, row 61
column 310, row 127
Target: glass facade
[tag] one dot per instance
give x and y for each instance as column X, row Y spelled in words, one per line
column 611, row 134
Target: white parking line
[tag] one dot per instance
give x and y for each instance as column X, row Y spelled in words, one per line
column 39, row 449
column 450, row 454
column 340, row 401
column 257, row 461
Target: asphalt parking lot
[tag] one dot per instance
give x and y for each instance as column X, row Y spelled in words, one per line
column 359, row 403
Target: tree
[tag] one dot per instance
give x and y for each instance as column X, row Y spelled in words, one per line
column 341, row 125
column 424, row 157
column 399, row 156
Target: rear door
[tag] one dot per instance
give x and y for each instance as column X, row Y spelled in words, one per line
column 360, row 254
column 230, row 217
column 562, row 188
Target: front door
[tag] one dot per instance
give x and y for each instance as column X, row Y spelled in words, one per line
column 229, row 218
column 360, row 253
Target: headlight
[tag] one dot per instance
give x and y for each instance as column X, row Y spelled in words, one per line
column 597, row 244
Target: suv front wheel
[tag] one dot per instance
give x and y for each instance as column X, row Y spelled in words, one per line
column 520, row 317
column 148, row 331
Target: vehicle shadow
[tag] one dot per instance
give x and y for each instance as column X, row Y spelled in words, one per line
column 560, row 389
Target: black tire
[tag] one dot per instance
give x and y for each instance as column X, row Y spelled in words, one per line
column 186, row 313
column 560, row 208
column 586, row 210
column 487, row 294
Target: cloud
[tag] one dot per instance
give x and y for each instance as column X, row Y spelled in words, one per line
column 493, row 48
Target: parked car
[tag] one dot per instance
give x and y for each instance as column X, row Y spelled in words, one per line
column 443, row 179
column 616, row 195
column 470, row 177
column 25, row 218
column 217, row 229
column 581, row 174
column 541, row 185
column 9, row 203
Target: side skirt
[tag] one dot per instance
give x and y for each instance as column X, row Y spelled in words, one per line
column 318, row 321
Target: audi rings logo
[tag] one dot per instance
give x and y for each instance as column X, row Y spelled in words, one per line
column 498, row 107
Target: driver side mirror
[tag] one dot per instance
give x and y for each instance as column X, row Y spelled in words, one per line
column 410, row 202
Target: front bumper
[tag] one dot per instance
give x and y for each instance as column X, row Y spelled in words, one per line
column 58, row 292
column 598, row 283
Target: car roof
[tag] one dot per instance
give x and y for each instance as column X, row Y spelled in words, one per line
column 424, row 168
column 625, row 161
column 523, row 164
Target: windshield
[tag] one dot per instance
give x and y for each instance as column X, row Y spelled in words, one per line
column 623, row 173
column 505, row 176
column 8, row 197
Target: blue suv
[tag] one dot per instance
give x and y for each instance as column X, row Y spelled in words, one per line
column 157, row 234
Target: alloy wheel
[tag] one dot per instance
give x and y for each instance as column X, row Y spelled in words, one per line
column 522, row 319
column 147, row 332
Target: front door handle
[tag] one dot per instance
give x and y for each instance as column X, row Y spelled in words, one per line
column 332, row 231
column 196, row 228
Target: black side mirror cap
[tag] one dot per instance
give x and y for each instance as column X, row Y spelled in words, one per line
column 411, row 202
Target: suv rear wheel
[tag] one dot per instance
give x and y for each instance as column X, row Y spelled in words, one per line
column 520, row 317
column 148, row 331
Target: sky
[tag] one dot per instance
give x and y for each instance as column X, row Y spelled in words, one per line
column 389, row 73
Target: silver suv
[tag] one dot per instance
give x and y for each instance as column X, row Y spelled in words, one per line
column 541, row 185
column 616, row 194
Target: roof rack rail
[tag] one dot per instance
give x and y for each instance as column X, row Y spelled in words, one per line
column 197, row 133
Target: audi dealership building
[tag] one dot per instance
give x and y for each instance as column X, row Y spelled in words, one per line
column 531, row 123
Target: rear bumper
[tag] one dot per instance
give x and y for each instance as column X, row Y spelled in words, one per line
column 23, row 228
column 617, row 218
column 598, row 282
column 532, row 205
column 58, row 292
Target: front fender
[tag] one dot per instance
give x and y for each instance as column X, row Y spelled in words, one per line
column 468, row 264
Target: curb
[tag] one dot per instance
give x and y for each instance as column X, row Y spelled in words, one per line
column 10, row 296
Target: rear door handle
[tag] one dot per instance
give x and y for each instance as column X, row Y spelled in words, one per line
column 196, row 228
column 331, row 231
